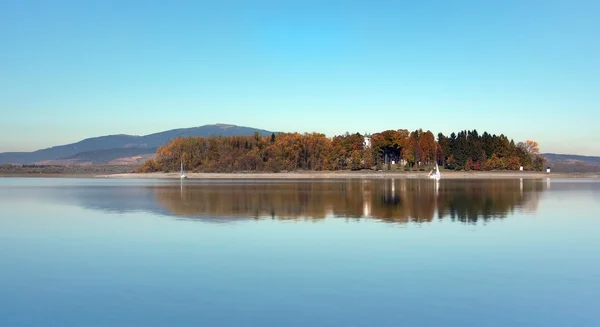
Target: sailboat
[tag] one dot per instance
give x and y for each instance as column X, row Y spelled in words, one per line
column 437, row 174
column 183, row 175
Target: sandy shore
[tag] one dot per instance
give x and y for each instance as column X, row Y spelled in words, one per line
column 47, row 175
column 356, row 175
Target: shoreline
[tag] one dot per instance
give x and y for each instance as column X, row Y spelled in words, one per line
column 315, row 175
column 355, row 175
column 48, row 175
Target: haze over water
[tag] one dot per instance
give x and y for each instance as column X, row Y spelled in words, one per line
column 94, row 252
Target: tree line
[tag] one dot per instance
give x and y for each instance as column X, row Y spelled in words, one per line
column 468, row 150
column 390, row 149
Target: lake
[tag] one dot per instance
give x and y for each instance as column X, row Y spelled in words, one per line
column 106, row 252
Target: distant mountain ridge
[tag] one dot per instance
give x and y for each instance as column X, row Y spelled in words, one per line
column 138, row 145
column 555, row 157
column 117, row 156
column 572, row 162
column 134, row 148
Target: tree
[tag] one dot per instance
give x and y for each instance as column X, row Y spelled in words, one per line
column 460, row 150
column 444, row 148
column 539, row 162
column 469, row 164
column 314, row 151
column 530, row 147
column 487, row 143
column 388, row 145
column 474, row 147
column 524, row 158
column 513, row 163
column 502, row 146
column 428, row 147
column 439, row 155
column 451, row 162
column 494, row 163
column 529, row 153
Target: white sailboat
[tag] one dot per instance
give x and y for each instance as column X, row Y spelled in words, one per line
column 183, row 175
column 435, row 175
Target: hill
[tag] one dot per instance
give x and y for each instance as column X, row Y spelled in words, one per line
column 554, row 158
column 118, row 156
column 572, row 163
column 108, row 148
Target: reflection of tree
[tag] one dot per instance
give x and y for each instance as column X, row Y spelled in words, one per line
column 471, row 200
column 399, row 201
column 251, row 200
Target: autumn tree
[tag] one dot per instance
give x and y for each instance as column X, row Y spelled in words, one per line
column 314, row 151
column 530, row 147
column 428, row 147
column 388, row 145
column 413, row 153
column 529, row 152
column 513, row 163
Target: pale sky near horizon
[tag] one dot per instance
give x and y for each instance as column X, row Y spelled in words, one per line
column 70, row 70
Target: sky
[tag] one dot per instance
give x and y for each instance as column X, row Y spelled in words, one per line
column 70, row 70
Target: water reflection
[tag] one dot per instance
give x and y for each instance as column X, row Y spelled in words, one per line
column 399, row 201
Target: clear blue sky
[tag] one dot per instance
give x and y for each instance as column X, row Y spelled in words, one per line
column 76, row 69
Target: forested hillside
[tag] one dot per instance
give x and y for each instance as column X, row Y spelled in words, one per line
column 110, row 146
column 391, row 149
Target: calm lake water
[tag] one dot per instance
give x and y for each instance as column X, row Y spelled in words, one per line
column 94, row 252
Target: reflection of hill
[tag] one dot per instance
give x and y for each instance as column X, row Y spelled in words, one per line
column 394, row 201
column 107, row 198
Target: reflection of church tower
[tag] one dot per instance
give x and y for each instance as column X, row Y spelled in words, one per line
column 366, row 200
column 390, row 196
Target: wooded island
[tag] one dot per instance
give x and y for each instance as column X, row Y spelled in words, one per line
column 387, row 150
